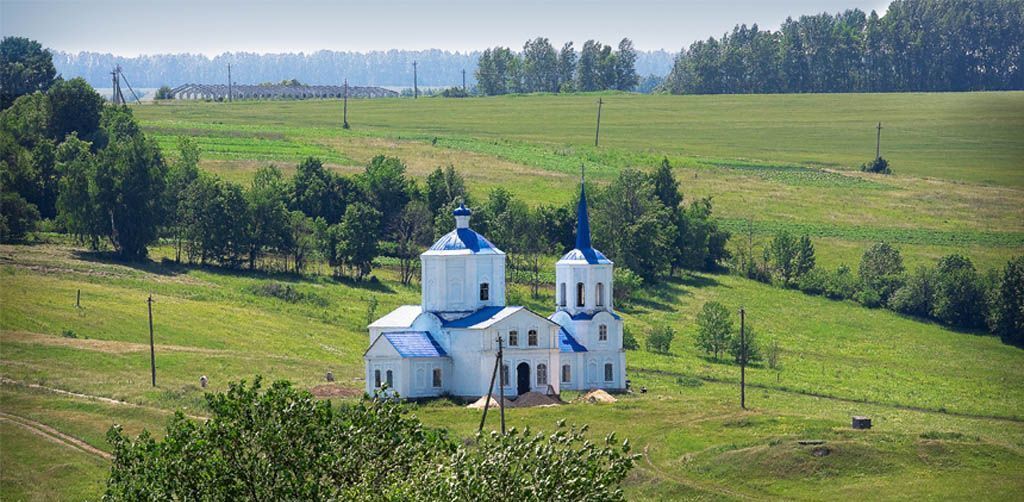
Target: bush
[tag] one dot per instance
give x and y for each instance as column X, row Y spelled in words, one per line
column 868, row 297
column 813, row 282
column 628, row 340
column 164, row 92
column 879, row 165
column 282, row 444
column 659, row 340
column 960, row 297
column 841, row 284
column 1007, row 318
column 626, row 283
column 750, row 339
column 881, row 270
column 454, row 92
column 714, row 329
column 917, row 294
column 17, row 217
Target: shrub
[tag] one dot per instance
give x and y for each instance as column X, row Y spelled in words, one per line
column 626, row 283
column 18, row 217
column 659, row 340
column 841, row 284
column 714, row 329
column 689, row 381
column 750, row 340
column 164, row 92
column 960, row 296
column 917, row 294
column 454, row 92
column 881, row 270
column 773, row 354
column 813, row 282
column 869, row 297
column 1007, row 319
column 879, row 165
column 628, row 340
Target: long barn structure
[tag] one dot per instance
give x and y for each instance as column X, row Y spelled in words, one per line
column 245, row 91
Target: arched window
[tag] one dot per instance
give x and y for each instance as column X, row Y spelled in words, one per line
column 504, row 375
column 437, row 377
column 566, row 373
column 513, row 338
column 390, row 379
column 376, row 378
column 531, row 338
column 608, row 377
column 602, row 333
column 485, row 292
column 561, row 295
column 580, row 290
column 600, row 294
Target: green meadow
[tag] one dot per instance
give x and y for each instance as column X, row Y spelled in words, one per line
column 947, row 406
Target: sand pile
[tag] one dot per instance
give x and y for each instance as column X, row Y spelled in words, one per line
column 597, row 396
column 479, row 403
column 531, row 399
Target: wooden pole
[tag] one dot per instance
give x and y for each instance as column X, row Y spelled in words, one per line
column 501, row 386
column 490, row 389
column 743, row 361
column 152, row 350
column 344, row 125
column 78, row 300
column 878, row 142
column 597, row 135
column 415, row 84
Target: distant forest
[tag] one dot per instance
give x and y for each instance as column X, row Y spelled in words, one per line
column 936, row 45
column 437, row 68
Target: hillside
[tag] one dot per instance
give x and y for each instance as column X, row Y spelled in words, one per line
column 947, row 406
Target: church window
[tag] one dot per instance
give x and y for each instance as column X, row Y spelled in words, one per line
column 566, row 373
column 608, row 372
column 531, row 338
column 542, row 374
column 390, row 379
column 485, row 292
column 580, row 290
column 599, row 294
column 504, row 375
column 513, row 338
column 437, row 377
column 602, row 333
column 561, row 296
column 376, row 378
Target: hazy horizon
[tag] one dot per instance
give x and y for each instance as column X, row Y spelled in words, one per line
column 308, row 26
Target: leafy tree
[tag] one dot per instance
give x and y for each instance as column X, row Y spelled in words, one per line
column 1007, row 318
column 753, row 349
column 74, row 107
column 632, row 226
column 27, row 120
column 540, row 66
column 917, row 294
column 879, row 166
column 557, row 226
column 803, row 262
column 566, row 67
column 17, row 217
column 386, row 188
column 445, row 188
column 319, row 193
column 25, row 67
column 666, row 186
column 842, row 284
column 659, row 340
column 357, row 242
column 627, row 283
column 77, row 201
column 881, row 270
column 628, row 340
column 413, row 231
column 300, row 242
column 959, row 294
column 211, row 210
column 588, row 68
column 164, row 93
column 267, row 215
column 182, row 173
column 626, row 78
column 781, row 254
column 714, row 329
column 130, row 180
column 773, row 354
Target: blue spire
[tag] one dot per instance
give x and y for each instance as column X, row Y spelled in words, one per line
column 582, row 220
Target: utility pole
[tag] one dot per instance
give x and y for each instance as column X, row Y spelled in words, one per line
column 878, row 142
column 152, row 350
column 229, row 82
column 113, row 86
column 490, row 392
column 501, row 385
column 743, row 361
column 597, row 135
column 463, row 79
column 344, row 124
column 415, row 85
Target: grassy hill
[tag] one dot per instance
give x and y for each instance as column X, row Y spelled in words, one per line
column 948, row 407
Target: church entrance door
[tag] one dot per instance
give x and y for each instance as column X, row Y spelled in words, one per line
column 522, row 378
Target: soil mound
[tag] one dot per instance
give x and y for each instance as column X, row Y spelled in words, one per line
column 531, row 399
column 329, row 390
column 597, row 396
column 479, row 403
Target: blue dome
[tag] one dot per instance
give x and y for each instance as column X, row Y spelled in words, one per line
column 463, row 240
column 589, row 255
column 462, row 210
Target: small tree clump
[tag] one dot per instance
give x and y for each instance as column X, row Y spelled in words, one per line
column 715, row 329
column 749, row 339
column 660, row 339
column 879, row 166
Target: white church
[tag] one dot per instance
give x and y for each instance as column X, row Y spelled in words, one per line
column 448, row 345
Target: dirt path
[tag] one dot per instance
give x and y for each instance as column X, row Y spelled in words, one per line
column 47, row 432
column 693, row 483
column 107, row 400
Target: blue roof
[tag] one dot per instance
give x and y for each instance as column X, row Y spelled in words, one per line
column 475, row 318
column 590, row 255
column 462, row 210
column 584, row 251
column 465, row 239
column 566, row 343
column 583, row 316
column 415, row 344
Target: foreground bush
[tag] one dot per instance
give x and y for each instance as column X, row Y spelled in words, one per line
column 282, row 444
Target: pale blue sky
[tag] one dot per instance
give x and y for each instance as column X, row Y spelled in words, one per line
column 213, row 26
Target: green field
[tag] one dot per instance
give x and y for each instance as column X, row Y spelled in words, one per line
column 947, row 406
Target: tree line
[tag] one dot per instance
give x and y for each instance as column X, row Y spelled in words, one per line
column 542, row 68
column 952, row 292
column 939, row 45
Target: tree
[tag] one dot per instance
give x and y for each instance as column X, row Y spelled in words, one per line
column 386, row 188
column 444, row 188
column 163, row 93
column 566, row 67
column 540, row 66
column 632, row 226
column 17, row 217
column 666, row 186
column 413, row 231
column 282, row 444
column 624, row 63
column 300, row 242
column 881, row 270
column 781, row 254
column 182, row 173
column 959, row 294
column 588, row 69
column 267, row 215
column 917, row 294
column 659, row 340
column 714, row 329
column 77, row 200
column 321, row 194
column 1007, row 318
column 753, row 349
column 357, row 241
column 211, row 212
column 879, row 166
column 803, row 262
column 25, row 67
column 130, row 180
column 74, row 107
